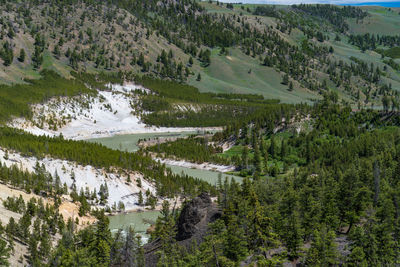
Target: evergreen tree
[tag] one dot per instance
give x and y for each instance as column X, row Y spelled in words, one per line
column 140, row 201
column 285, row 79
column 21, row 57
column 323, row 251
column 257, row 157
column 102, row 240
column 235, row 245
column 290, row 86
column 245, row 157
column 6, row 54
column 4, row 253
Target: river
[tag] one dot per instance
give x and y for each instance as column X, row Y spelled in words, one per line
column 140, row 221
column 128, row 142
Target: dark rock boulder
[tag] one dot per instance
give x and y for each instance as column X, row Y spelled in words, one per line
column 193, row 217
column 192, row 225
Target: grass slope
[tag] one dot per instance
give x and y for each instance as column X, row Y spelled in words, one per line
column 382, row 21
column 231, row 73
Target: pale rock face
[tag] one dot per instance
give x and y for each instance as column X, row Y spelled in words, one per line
column 200, row 166
column 111, row 112
column 85, row 117
column 86, row 176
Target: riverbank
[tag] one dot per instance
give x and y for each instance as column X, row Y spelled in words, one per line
column 175, row 202
column 200, row 166
column 175, row 136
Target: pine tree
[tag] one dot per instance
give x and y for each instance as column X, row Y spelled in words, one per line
column 140, row 61
column 212, row 247
column 291, row 86
column 57, row 51
column 283, row 149
column 323, row 251
column 4, row 253
column 132, row 253
column 261, row 233
column 357, row 258
column 257, row 157
column 21, row 57
column 140, row 201
column 245, row 157
column 6, row 54
column 285, row 79
column 235, row 245
column 102, row 240
column 37, row 58
column 33, row 250
column 45, row 245
column 291, row 231
column 272, row 147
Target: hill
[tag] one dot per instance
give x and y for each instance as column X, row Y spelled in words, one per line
column 293, row 53
column 319, row 183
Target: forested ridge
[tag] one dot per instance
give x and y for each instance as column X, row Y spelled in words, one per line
column 180, row 40
column 341, row 190
column 335, row 15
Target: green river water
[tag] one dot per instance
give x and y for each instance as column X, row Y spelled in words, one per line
column 128, row 142
column 140, row 221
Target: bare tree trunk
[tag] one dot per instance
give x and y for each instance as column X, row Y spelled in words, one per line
column 215, row 256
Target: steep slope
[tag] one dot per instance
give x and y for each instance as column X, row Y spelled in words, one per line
column 79, row 36
column 86, row 178
column 108, row 113
column 294, row 53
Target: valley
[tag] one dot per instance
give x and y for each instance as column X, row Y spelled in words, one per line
column 199, row 133
column 107, row 118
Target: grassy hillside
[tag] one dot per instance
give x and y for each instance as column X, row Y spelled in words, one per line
column 308, row 44
column 382, row 20
column 228, row 76
column 238, row 73
column 97, row 37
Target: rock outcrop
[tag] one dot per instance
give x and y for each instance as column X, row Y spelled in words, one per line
column 192, row 225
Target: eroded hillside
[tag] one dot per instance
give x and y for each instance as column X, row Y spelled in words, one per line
column 291, row 53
